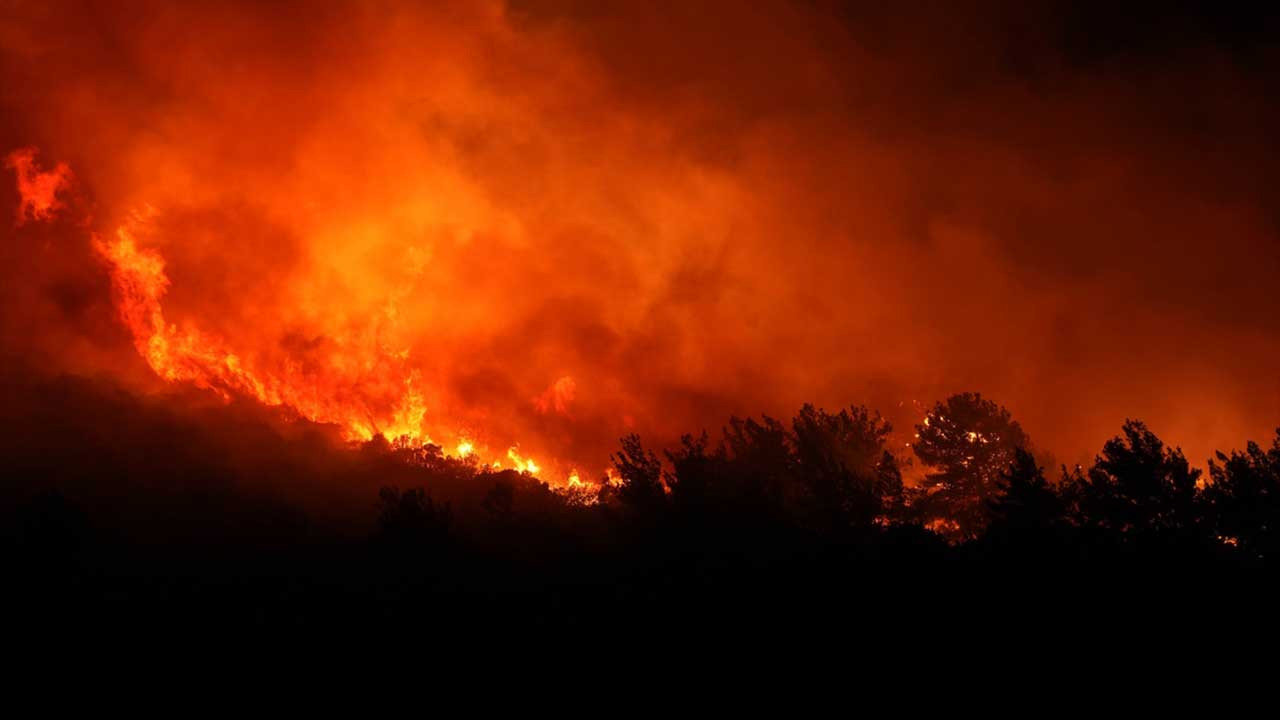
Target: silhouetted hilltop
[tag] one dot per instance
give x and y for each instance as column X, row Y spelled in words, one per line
column 157, row 508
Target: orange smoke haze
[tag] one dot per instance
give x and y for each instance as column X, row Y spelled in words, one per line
column 522, row 230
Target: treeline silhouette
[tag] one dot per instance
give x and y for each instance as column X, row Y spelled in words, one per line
column 123, row 509
column 832, row 475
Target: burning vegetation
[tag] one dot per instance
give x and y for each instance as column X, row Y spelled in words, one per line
column 460, row 286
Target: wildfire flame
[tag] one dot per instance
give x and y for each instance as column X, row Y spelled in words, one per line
column 189, row 355
column 523, row 464
column 370, row 392
column 521, row 223
column 38, row 189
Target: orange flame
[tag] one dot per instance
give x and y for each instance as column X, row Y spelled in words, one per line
column 373, row 393
column 523, row 464
column 38, row 190
column 187, row 354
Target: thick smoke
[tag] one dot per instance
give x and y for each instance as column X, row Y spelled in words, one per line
column 570, row 222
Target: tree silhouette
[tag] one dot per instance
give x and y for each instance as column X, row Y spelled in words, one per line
column 843, row 463
column 830, row 472
column 1244, row 499
column 744, row 473
column 762, row 459
column 1138, row 487
column 695, row 477
column 1026, row 501
column 969, row 443
column 793, row 519
column 640, row 474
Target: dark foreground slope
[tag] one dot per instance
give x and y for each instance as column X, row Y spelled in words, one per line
column 175, row 514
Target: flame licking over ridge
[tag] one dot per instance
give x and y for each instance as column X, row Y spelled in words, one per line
column 189, row 355
column 377, row 392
